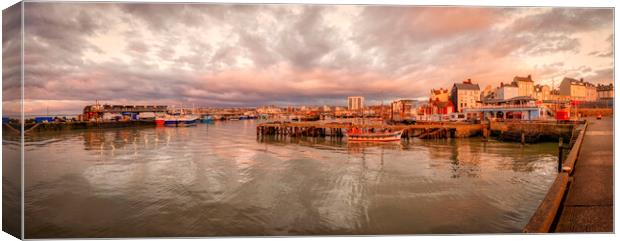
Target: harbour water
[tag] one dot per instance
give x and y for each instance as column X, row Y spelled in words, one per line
column 219, row 179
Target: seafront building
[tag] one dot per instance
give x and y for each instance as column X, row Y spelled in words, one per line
column 465, row 95
column 516, row 108
column 525, row 85
column 605, row 92
column 439, row 103
column 356, row 103
column 506, row 91
column 578, row 89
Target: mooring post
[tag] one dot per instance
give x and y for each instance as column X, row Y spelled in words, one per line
column 522, row 137
column 560, row 147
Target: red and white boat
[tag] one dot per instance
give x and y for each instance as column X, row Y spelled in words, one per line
column 360, row 136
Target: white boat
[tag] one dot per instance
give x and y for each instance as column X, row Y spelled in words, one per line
column 358, row 136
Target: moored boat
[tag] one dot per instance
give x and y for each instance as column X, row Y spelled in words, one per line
column 359, row 136
column 177, row 120
column 206, row 119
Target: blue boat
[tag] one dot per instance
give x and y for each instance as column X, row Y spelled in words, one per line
column 177, row 120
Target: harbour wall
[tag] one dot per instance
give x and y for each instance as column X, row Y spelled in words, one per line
column 530, row 132
column 62, row 126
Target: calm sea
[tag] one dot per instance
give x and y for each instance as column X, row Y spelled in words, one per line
column 219, row 179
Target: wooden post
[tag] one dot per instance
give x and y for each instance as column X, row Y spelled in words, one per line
column 560, row 154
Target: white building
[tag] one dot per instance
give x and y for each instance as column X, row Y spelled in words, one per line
column 505, row 92
column 356, row 102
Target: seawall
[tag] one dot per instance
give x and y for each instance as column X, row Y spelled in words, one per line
column 62, row 126
column 530, row 131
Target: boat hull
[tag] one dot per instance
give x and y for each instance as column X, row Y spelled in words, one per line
column 180, row 123
column 177, row 121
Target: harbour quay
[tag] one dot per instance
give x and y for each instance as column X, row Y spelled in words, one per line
column 523, row 131
column 581, row 196
column 78, row 125
column 338, row 129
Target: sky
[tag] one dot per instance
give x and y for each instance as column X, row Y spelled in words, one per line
column 252, row 55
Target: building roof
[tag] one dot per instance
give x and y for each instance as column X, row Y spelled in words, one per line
column 467, row 86
column 512, row 84
column 439, row 91
column 526, row 79
column 518, row 98
column 578, row 82
column 605, row 87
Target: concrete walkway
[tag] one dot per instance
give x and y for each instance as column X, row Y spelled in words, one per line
column 589, row 205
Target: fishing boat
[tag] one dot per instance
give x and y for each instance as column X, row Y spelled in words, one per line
column 176, row 120
column 355, row 135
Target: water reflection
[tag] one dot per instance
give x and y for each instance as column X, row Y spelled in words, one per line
column 220, row 179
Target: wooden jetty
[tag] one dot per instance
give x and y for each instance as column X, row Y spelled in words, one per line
column 337, row 130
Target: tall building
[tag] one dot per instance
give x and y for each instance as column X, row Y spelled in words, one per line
column 465, row 95
column 356, row 102
column 525, row 84
column 578, row 89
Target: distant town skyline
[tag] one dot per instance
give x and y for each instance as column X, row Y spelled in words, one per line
column 253, row 55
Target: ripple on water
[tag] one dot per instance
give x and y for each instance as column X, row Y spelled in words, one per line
column 221, row 180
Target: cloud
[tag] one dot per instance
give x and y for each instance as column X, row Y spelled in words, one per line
column 11, row 60
column 250, row 55
column 600, row 76
column 565, row 20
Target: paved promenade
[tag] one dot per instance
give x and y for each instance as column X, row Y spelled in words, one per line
column 589, row 204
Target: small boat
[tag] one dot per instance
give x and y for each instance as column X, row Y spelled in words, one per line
column 206, row 119
column 359, row 136
column 177, row 120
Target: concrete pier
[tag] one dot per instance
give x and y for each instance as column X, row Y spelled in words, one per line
column 581, row 197
column 589, row 203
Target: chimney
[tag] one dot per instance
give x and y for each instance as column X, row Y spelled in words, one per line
column 529, row 76
column 581, row 79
